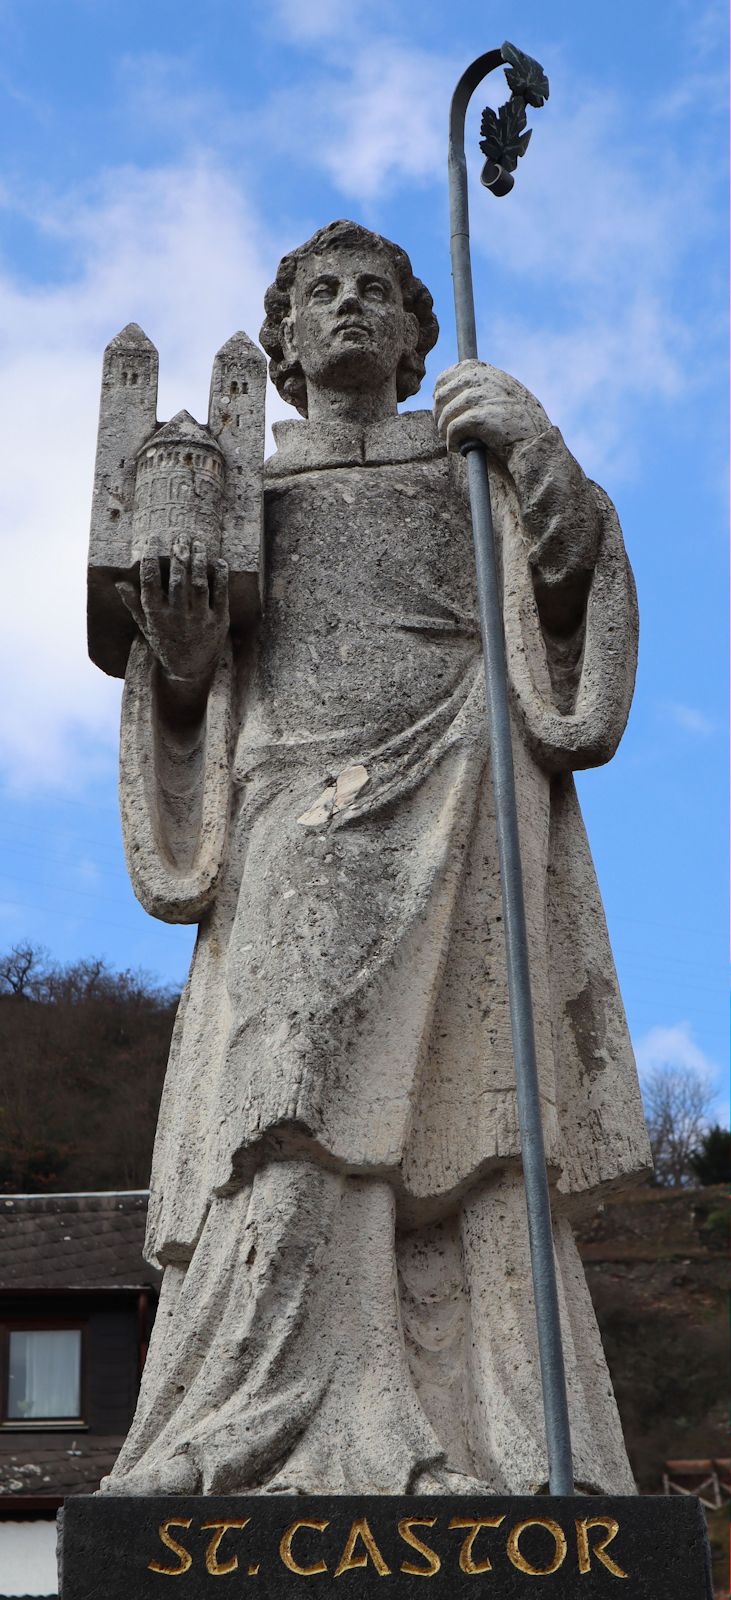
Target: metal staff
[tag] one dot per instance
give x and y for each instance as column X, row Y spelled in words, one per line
column 505, row 139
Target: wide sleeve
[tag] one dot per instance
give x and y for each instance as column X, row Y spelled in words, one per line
column 561, row 520
column 174, row 790
column 570, row 607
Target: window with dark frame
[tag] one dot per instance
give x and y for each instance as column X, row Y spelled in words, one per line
column 42, row 1374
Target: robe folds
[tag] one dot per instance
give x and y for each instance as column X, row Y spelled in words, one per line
column 330, row 826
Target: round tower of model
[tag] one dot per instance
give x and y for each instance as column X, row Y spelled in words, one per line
column 178, row 489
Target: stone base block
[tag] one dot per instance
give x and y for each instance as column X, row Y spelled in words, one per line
column 281, row 1547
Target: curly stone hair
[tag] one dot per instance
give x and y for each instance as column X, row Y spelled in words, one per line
column 288, row 375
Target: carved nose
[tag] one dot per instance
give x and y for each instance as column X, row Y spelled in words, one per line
column 349, row 300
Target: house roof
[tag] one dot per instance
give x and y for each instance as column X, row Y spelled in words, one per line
column 39, row 1465
column 74, row 1241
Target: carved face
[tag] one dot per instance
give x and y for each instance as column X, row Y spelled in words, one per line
column 349, row 328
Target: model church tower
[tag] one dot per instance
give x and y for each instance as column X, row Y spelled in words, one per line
column 153, row 481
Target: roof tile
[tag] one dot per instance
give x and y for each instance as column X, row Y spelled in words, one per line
column 77, row 1241
column 54, row 1463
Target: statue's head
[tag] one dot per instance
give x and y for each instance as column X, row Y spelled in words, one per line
column 346, row 312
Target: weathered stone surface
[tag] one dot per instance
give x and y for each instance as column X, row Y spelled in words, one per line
column 155, row 482
column 128, row 1549
column 236, row 422
column 179, row 486
column 336, row 1194
column 127, row 417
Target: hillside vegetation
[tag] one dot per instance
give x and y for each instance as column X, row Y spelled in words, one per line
column 82, row 1061
column 657, row 1264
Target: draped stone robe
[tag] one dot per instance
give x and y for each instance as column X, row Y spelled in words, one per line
column 348, row 986
column 330, row 825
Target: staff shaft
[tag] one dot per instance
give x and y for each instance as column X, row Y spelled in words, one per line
column 540, row 1231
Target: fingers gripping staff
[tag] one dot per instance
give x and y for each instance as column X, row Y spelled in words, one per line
column 504, row 141
column 474, row 401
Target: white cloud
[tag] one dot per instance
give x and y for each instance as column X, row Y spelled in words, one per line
column 163, row 95
column 701, row 88
column 180, row 252
column 319, row 20
column 589, row 375
column 705, row 30
column 597, row 233
column 90, row 873
column 691, row 719
column 672, row 1046
column 375, row 116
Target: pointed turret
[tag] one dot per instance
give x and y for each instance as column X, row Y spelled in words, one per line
column 183, row 428
column 130, row 372
column 236, row 420
column 131, row 337
column 127, row 416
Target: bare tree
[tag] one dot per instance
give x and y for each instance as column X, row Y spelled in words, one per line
column 82, row 1060
column 23, row 971
column 677, row 1105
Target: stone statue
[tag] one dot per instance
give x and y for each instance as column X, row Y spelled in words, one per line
column 336, row 1195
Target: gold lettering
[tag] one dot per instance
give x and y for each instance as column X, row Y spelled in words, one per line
column 349, row 1562
column 285, row 1548
column 611, row 1528
column 432, row 1559
column 466, row 1560
column 213, row 1565
column 186, row 1559
column 559, row 1554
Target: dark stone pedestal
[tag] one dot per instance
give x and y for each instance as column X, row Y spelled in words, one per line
column 282, row 1547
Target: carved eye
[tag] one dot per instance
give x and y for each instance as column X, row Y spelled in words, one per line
column 322, row 291
column 374, row 291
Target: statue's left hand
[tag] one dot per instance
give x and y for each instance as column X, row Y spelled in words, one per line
column 475, row 401
column 185, row 626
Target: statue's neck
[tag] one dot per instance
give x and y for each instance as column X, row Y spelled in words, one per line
column 360, row 406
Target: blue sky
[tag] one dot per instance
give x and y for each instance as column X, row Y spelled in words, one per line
column 158, row 159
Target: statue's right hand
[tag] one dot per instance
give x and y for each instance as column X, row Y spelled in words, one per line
column 473, row 400
column 186, row 624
